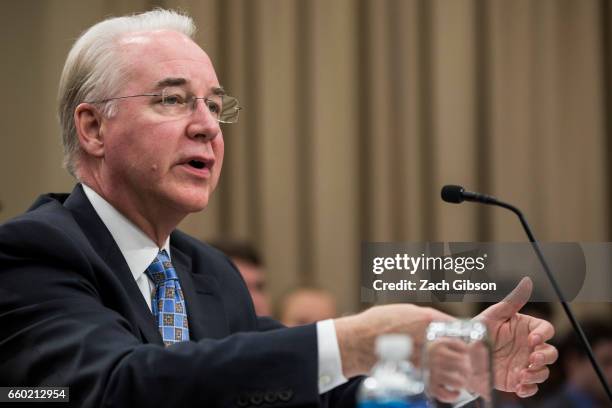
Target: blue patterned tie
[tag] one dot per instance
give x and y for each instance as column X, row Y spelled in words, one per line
column 168, row 303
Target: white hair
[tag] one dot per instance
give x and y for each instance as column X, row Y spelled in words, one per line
column 94, row 71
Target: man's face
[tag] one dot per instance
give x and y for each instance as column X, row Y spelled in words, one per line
column 152, row 158
column 307, row 306
column 256, row 283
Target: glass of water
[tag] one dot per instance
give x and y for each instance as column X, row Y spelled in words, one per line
column 457, row 358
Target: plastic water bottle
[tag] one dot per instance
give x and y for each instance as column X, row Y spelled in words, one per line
column 393, row 382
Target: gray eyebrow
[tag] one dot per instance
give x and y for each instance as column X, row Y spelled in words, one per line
column 216, row 90
column 170, row 82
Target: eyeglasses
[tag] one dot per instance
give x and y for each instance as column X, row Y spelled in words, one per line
column 177, row 102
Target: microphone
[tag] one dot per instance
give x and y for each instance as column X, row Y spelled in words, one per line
column 457, row 194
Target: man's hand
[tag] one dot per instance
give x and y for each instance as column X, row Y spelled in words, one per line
column 357, row 333
column 450, row 366
column 520, row 352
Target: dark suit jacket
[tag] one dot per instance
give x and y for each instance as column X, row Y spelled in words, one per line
column 72, row 315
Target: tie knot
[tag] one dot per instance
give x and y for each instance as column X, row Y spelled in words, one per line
column 161, row 269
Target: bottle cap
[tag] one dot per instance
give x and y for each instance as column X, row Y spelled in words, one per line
column 394, row 346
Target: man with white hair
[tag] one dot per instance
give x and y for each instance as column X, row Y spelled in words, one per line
column 100, row 292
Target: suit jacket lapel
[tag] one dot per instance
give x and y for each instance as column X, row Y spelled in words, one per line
column 205, row 311
column 104, row 244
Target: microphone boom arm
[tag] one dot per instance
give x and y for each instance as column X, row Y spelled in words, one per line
column 484, row 199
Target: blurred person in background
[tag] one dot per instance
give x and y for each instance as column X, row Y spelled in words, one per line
column 581, row 388
column 306, row 305
column 251, row 267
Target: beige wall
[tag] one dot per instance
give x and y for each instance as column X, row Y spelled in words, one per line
column 356, row 113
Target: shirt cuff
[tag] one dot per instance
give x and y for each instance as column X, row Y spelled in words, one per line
column 330, row 365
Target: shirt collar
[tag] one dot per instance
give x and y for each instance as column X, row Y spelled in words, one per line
column 136, row 247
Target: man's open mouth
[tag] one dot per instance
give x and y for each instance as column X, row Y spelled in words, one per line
column 197, row 164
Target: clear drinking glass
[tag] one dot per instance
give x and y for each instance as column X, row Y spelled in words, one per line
column 457, row 358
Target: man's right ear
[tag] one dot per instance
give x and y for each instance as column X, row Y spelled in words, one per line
column 88, row 125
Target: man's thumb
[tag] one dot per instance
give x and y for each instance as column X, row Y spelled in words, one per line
column 513, row 302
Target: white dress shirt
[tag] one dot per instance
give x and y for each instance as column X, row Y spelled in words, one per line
column 139, row 252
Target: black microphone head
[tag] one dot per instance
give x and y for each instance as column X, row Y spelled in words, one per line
column 452, row 194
